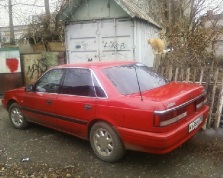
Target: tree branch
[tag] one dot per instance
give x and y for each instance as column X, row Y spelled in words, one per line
column 27, row 5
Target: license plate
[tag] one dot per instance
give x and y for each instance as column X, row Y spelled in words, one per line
column 193, row 125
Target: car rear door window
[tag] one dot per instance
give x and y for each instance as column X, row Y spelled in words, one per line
column 79, row 82
column 98, row 88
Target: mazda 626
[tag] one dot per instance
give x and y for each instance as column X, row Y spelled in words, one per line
column 117, row 106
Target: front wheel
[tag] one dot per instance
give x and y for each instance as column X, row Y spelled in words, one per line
column 16, row 117
column 106, row 143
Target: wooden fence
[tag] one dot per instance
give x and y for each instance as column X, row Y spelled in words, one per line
column 211, row 78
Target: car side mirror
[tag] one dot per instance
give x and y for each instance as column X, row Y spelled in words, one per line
column 29, row 88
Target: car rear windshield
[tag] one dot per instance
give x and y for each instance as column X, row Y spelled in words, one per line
column 129, row 79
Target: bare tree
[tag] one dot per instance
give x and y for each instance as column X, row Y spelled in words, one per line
column 46, row 27
column 11, row 27
column 184, row 30
column 19, row 10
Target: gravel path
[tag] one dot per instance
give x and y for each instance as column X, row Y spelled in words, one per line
column 42, row 152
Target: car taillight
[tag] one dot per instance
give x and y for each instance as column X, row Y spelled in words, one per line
column 201, row 102
column 167, row 118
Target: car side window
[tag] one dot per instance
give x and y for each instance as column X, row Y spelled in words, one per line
column 78, row 82
column 50, row 81
column 98, row 89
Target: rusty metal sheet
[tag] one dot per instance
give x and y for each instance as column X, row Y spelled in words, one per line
column 10, row 81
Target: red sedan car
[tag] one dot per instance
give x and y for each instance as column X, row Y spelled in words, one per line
column 115, row 105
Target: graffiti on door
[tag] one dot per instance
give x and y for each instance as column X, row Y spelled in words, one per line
column 35, row 65
column 112, row 45
column 39, row 66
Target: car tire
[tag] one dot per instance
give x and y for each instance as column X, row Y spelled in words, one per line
column 106, row 143
column 16, row 117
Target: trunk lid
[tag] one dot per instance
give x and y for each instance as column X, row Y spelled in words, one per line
column 180, row 101
column 174, row 93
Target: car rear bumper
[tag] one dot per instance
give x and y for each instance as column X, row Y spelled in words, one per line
column 161, row 143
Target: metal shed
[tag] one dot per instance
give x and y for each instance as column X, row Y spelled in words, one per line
column 102, row 30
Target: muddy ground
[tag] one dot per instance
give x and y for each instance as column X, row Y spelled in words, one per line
column 41, row 152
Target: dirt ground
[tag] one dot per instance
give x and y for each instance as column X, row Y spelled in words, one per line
column 42, row 152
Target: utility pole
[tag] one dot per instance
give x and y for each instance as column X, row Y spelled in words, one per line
column 1, row 35
column 47, row 12
column 11, row 27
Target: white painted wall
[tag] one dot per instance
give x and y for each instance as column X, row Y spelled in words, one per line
column 142, row 32
column 10, row 61
column 97, row 9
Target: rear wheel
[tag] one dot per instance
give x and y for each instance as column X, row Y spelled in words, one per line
column 106, row 143
column 16, row 117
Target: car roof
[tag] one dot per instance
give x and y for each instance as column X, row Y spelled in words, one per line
column 103, row 64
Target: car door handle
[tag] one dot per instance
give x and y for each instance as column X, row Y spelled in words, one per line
column 49, row 101
column 87, row 107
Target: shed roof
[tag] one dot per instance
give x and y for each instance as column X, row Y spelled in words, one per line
column 131, row 8
column 135, row 11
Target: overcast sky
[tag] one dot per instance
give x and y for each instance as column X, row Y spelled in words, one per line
column 214, row 4
column 23, row 10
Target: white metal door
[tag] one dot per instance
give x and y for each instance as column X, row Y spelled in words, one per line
column 81, row 42
column 117, row 40
column 100, row 40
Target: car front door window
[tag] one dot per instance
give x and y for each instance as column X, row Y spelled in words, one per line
column 50, row 82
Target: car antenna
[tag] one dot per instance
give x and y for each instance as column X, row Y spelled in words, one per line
column 138, row 84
